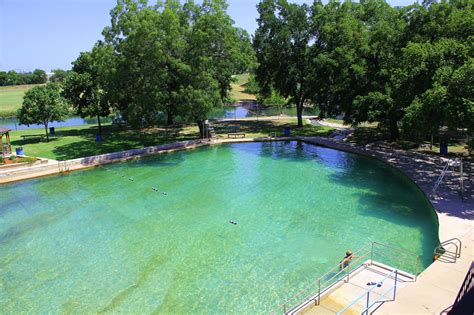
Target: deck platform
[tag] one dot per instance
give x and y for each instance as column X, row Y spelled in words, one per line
column 341, row 294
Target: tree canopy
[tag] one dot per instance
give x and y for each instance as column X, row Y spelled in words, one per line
column 407, row 68
column 12, row 77
column 85, row 85
column 172, row 58
column 42, row 105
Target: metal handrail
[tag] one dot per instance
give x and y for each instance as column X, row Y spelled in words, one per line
column 313, row 291
column 394, row 272
column 440, row 250
column 318, row 281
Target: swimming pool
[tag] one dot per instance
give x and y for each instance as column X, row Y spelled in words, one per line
column 103, row 240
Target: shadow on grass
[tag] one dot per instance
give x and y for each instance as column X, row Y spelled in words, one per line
column 120, row 140
column 81, row 142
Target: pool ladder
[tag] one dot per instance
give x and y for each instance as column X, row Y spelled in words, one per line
column 63, row 167
column 443, row 253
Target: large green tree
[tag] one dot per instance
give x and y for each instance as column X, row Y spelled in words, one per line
column 42, row 105
column 282, row 43
column 59, row 75
column 370, row 62
column 85, row 85
column 165, row 53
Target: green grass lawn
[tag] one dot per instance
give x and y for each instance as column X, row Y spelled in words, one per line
column 237, row 91
column 11, row 98
column 75, row 142
column 79, row 141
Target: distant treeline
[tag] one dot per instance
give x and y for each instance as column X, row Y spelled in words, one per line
column 38, row 76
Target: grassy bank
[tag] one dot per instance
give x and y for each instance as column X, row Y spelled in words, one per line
column 75, row 142
column 237, row 91
column 11, row 98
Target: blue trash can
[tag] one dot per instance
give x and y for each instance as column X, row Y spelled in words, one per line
column 443, row 148
column 52, row 131
column 98, row 137
column 19, row 151
column 287, row 132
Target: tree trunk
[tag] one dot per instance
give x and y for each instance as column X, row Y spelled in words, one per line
column 100, row 126
column 202, row 131
column 394, row 132
column 46, row 129
column 170, row 118
column 299, row 111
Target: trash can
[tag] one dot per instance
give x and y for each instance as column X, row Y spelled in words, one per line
column 19, row 151
column 98, row 137
column 443, row 148
column 52, row 131
column 287, row 132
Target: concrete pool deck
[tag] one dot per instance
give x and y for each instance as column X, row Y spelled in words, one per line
column 437, row 286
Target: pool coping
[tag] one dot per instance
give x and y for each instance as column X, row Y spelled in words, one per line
column 455, row 217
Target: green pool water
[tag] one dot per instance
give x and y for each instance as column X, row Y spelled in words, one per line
column 103, row 241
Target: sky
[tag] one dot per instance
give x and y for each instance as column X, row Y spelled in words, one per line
column 50, row 34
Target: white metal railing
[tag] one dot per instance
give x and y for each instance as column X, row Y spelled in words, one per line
column 367, row 294
column 370, row 251
column 450, row 163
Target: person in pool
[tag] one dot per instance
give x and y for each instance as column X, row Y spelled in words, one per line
column 347, row 259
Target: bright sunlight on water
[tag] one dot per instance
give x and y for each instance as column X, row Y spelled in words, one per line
column 104, row 240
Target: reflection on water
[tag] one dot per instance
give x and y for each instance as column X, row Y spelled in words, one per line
column 226, row 112
column 13, row 123
column 236, row 112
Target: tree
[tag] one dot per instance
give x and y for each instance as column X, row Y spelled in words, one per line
column 38, row 77
column 274, row 99
column 3, row 78
column 13, row 78
column 282, row 43
column 42, row 105
column 166, row 53
column 58, row 76
column 83, row 86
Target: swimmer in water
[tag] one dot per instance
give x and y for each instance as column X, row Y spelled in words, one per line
column 346, row 260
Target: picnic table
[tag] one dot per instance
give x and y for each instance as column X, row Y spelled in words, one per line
column 40, row 136
column 235, row 132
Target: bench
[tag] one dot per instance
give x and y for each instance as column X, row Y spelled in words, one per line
column 40, row 136
column 236, row 134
